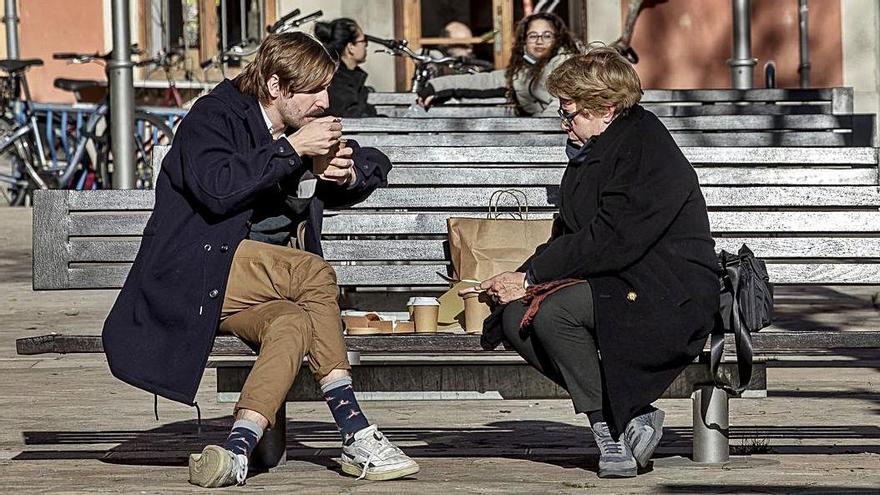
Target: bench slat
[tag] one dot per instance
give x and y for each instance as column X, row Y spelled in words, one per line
column 684, row 109
column 543, row 197
column 124, row 250
column 727, row 123
column 539, row 176
column 771, row 221
column 225, row 345
column 788, row 138
column 729, row 155
column 112, row 276
column 657, row 95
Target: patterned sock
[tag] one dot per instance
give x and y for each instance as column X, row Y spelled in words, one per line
column 243, row 438
column 345, row 409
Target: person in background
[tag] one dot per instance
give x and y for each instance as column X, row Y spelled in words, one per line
column 622, row 296
column 463, row 51
column 345, row 41
column 542, row 43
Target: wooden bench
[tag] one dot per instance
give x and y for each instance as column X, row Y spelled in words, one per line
column 706, row 130
column 812, row 213
column 664, row 102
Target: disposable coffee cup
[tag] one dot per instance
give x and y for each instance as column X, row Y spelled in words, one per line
column 475, row 311
column 425, row 313
column 409, row 307
column 320, row 163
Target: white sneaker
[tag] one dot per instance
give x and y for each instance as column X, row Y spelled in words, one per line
column 374, row 457
column 216, row 467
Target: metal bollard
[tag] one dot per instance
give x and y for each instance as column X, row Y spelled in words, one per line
column 711, row 425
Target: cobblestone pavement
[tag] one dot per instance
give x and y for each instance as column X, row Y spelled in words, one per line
column 69, row 427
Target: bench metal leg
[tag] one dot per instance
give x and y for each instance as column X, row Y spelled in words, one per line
column 272, row 449
column 354, row 358
column 711, row 425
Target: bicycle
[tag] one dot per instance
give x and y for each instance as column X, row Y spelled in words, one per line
column 32, row 163
column 149, row 130
column 21, row 145
column 427, row 65
column 248, row 47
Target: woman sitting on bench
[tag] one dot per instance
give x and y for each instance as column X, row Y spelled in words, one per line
column 622, row 296
column 542, row 43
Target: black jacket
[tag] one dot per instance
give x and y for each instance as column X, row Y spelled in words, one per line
column 348, row 93
column 160, row 331
column 633, row 222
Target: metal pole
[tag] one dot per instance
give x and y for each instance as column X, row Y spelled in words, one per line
column 119, row 71
column 804, row 34
column 742, row 65
column 711, row 425
column 11, row 20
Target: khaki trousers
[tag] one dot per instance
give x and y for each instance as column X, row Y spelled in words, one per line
column 284, row 302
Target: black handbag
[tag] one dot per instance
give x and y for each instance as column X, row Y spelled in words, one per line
column 746, row 307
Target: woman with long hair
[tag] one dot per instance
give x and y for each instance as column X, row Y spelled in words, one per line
column 345, row 41
column 542, row 43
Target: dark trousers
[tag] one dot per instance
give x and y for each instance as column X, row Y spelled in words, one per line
column 561, row 343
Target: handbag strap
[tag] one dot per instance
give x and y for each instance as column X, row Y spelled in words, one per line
column 742, row 338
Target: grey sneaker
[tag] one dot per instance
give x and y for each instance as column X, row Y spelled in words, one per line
column 216, row 467
column 643, row 434
column 374, row 457
column 615, row 458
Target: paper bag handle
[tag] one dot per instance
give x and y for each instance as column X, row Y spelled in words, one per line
column 522, row 203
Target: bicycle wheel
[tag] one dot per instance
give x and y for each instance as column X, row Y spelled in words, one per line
column 149, row 130
column 16, row 167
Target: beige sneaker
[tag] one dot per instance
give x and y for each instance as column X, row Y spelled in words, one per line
column 216, row 467
column 374, row 457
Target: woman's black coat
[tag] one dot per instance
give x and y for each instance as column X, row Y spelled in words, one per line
column 348, row 93
column 633, row 222
column 160, row 331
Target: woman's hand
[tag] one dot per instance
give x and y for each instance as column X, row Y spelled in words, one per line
column 503, row 288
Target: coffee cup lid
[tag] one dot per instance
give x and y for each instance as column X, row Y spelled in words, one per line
column 423, row 301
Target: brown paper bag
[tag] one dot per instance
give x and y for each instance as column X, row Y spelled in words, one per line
column 483, row 247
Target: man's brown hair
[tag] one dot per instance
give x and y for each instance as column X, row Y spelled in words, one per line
column 300, row 61
column 597, row 80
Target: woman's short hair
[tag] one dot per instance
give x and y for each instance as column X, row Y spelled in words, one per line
column 300, row 61
column 597, row 80
column 336, row 34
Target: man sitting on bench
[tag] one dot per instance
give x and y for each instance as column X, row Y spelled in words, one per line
column 232, row 173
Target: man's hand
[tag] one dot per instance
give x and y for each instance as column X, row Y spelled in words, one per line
column 317, row 137
column 425, row 102
column 503, row 288
column 341, row 169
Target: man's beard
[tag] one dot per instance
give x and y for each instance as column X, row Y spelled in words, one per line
column 300, row 120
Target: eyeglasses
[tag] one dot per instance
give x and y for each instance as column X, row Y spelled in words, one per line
column 364, row 41
column 567, row 118
column 546, row 37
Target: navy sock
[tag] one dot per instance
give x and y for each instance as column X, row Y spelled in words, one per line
column 243, row 438
column 345, row 409
column 595, row 416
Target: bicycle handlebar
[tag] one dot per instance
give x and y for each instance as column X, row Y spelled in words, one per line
column 401, row 47
column 280, row 22
column 288, row 24
column 234, row 52
column 88, row 57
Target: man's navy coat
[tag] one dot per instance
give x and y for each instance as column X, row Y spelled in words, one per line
column 161, row 329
